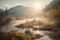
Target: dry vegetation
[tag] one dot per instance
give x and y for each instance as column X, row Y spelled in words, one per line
column 13, row 35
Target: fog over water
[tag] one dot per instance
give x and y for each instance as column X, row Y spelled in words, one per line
column 12, row 25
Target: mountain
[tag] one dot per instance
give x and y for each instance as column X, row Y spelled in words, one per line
column 55, row 4
column 20, row 11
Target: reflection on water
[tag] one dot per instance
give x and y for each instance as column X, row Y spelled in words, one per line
column 37, row 32
column 44, row 38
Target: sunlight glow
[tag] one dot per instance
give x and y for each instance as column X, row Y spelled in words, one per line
column 38, row 6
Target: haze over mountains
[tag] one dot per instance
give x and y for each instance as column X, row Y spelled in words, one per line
column 20, row 11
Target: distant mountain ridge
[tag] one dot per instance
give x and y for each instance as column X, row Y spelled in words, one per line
column 20, row 11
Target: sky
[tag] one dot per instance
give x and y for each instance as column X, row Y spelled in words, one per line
column 12, row 3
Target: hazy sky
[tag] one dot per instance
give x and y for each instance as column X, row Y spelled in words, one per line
column 11, row 3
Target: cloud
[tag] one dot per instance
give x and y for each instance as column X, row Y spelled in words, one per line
column 7, row 5
column 17, row 2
